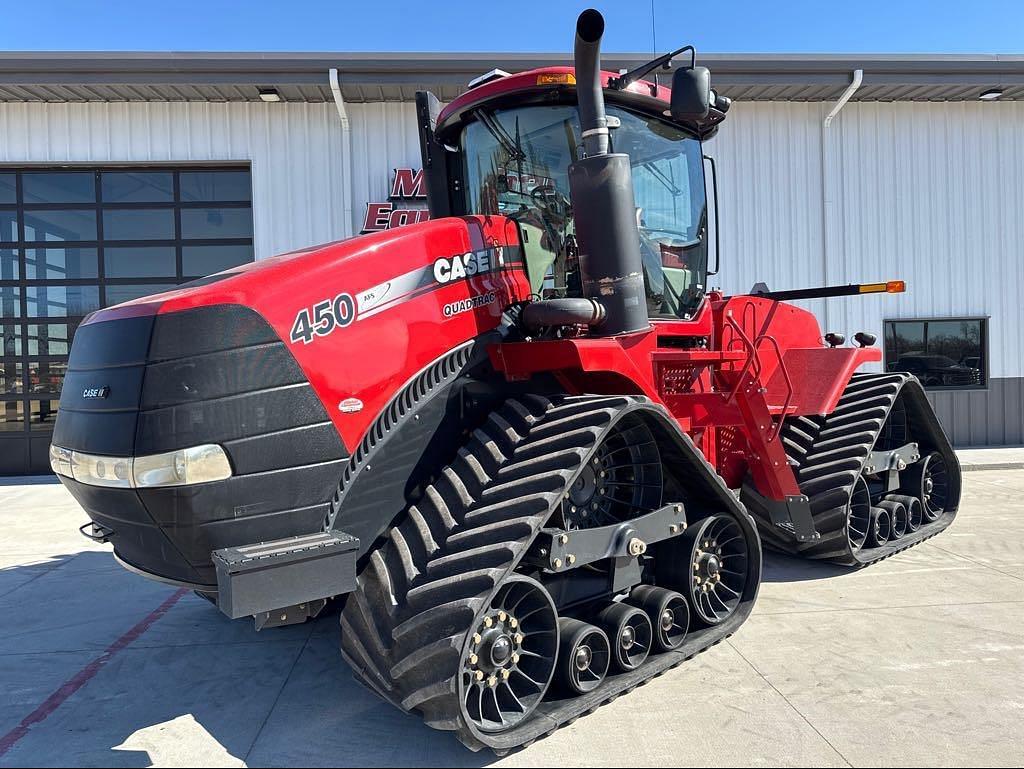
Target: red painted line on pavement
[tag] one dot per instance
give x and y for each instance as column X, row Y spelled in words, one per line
column 83, row 676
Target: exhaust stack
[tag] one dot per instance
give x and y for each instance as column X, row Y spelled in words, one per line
column 601, row 188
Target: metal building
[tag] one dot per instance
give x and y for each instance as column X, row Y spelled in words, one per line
column 121, row 174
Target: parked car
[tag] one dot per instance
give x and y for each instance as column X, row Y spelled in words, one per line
column 938, row 370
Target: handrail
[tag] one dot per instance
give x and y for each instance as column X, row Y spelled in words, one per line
column 751, row 356
column 785, row 375
column 752, row 359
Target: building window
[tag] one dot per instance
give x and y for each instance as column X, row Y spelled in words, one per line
column 73, row 240
column 944, row 353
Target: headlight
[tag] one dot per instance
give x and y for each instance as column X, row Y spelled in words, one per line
column 198, row 464
column 101, row 471
column 60, row 460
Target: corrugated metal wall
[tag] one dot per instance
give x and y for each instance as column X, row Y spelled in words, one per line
column 932, row 193
column 295, row 151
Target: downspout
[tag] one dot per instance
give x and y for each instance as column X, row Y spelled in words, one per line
column 828, row 201
column 346, row 144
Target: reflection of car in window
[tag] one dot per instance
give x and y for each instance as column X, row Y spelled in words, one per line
column 938, row 370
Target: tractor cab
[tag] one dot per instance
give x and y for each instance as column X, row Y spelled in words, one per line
column 506, row 146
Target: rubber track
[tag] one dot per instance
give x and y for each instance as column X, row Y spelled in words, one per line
column 828, row 455
column 404, row 627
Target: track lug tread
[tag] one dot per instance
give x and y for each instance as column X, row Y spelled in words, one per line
column 829, row 454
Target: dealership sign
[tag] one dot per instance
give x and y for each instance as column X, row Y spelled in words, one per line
column 399, row 209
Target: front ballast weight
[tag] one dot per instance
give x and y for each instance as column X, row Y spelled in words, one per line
column 496, row 611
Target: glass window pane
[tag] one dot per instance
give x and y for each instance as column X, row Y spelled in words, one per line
column 8, row 188
column 60, row 225
column 216, row 223
column 137, row 186
column 10, row 376
column 941, row 353
column 61, row 301
column 139, row 224
column 49, row 338
column 44, row 413
column 11, row 339
column 60, row 263
column 9, row 269
column 206, row 260
column 140, row 262
column 125, row 293
column 59, row 187
column 46, row 376
column 12, row 416
column 215, row 186
column 10, row 302
column 8, row 226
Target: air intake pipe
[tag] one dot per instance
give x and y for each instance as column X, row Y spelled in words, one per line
column 601, row 188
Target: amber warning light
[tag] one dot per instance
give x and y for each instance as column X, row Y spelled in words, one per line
column 556, row 78
column 891, row 287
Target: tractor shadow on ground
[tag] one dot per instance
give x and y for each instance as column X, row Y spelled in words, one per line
column 196, row 684
column 785, row 568
column 193, row 686
column 30, row 480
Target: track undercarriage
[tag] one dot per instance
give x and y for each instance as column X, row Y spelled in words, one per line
column 879, row 474
column 577, row 547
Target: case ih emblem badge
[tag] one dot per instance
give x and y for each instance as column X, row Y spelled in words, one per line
column 96, row 392
column 447, row 269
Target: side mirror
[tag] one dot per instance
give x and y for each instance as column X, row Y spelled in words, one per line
column 691, row 93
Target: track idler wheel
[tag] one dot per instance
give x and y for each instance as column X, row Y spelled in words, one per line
column 928, row 480
column 858, row 515
column 897, row 517
column 583, row 656
column 509, row 658
column 630, row 633
column 915, row 515
column 881, row 527
column 718, row 567
column 668, row 612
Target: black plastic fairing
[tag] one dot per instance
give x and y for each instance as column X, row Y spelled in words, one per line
column 211, row 375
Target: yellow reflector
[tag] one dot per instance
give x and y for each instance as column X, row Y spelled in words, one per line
column 555, row 78
column 896, row 286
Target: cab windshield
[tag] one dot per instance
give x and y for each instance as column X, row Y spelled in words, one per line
column 517, row 163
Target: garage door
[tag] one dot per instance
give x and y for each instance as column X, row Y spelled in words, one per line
column 73, row 240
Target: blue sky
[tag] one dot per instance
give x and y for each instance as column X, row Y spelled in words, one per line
column 866, row 26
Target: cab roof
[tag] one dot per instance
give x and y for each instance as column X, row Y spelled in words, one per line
column 643, row 94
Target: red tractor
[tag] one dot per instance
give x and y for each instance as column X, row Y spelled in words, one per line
column 528, row 450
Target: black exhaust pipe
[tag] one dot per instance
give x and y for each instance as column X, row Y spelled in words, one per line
column 589, row 96
column 601, row 187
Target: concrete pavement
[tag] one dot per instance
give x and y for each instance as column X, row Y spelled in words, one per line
column 916, row 660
